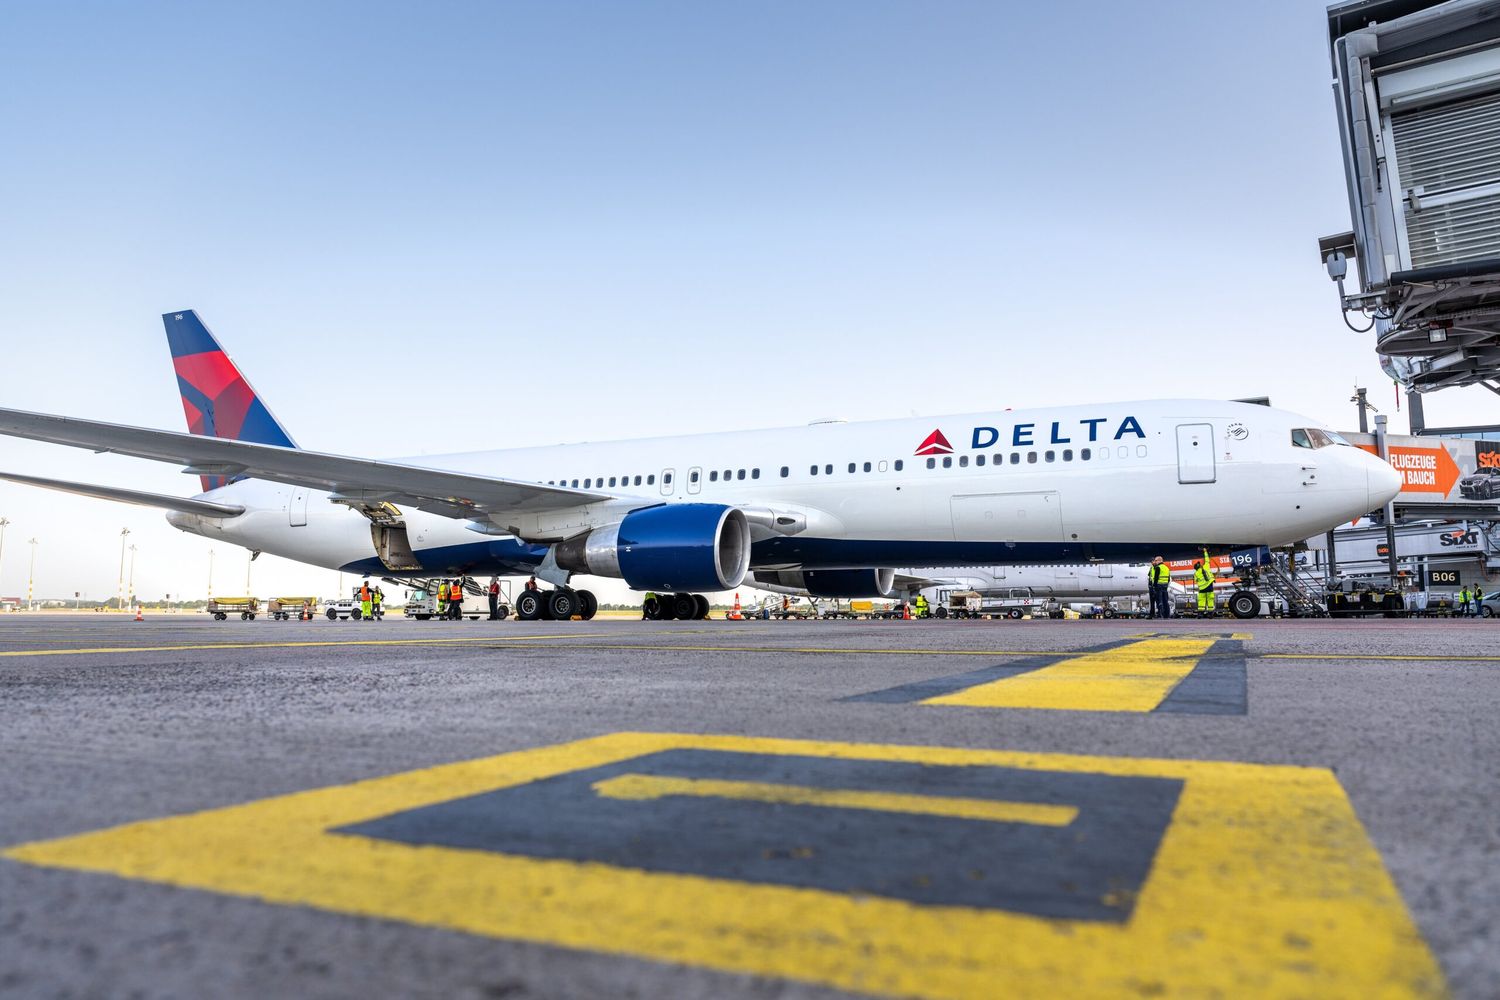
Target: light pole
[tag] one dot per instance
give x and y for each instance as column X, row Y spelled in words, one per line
column 120, row 587
column 210, row 574
column 3, row 523
column 132, row 576
column 31, row 577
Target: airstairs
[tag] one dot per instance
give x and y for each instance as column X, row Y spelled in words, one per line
column 1299, row 591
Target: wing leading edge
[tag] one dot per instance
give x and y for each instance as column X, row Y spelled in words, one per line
column 357, row 480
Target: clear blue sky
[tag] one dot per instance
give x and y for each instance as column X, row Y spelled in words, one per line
column 596, row 220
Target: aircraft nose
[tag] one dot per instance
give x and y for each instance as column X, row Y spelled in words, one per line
column 1384, row 481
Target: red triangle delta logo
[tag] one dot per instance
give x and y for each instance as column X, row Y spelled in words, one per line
column 935, row 444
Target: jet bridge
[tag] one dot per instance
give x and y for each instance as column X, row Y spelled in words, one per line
column 1417, row 93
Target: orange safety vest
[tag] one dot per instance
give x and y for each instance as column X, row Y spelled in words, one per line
column 364, row 593
column 456, row 592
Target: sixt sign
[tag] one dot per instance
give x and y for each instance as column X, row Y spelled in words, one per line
column 1058, row 432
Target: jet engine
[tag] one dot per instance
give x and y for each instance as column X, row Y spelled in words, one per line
column 670, row 547
column 832, row 582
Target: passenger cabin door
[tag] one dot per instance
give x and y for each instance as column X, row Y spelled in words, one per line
column 1195, row 453
column 297, row 509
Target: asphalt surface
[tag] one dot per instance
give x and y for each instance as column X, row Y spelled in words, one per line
column 722, row 859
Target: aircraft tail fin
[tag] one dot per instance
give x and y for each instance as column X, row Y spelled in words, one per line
column 217, row 399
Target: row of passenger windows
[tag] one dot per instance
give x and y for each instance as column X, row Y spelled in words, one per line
column 733, row 475
column 1066, row 455
column 613, row 480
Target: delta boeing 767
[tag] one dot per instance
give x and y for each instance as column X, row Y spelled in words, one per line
column 831, row 508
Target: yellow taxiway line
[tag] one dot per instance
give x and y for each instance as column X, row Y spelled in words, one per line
column 293, row 645
column 646, row 787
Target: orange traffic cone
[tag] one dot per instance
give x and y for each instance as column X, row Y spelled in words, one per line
column 138, row 616
column 736, row 615
column 905, row 612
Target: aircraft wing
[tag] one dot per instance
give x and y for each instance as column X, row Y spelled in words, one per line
column 202, row 508
column 360, row 481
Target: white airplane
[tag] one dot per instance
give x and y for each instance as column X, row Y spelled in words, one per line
column 1064, row 582
column 831, row 508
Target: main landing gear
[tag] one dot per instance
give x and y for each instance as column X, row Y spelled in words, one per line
column 683, row 607
column 560, row 605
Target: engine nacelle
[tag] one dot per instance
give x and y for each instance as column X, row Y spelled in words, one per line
column 833, row 582
column 670, row 547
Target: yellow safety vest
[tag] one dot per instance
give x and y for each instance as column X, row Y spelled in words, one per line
column 1160, row 573
column 1203, row 578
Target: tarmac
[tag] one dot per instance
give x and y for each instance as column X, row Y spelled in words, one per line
column 192, row 808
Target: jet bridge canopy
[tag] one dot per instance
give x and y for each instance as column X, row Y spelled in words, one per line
column 1417, row 95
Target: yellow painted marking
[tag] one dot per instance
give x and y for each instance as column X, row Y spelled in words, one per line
column 1265, row 884
column 294, row 645
column 1132, row 678
column 1189, row 635
column 641, row 787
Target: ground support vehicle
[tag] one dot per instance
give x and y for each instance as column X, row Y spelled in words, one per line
column 286, row 608
column 972, row 604
column 422, row 605
column 222, row 607
column 1388, row 604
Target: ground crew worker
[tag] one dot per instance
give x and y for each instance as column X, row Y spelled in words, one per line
column 494, row 598
column 922, row 606
column 364, row 601
column 1203, row 582
column 378, row 603
column 650, row 604
column 1463, row 602
column 1476, row 601
column 1158, row 584
column 456, row 600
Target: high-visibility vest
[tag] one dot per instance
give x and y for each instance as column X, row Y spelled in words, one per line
column 364, row 593
column 456, row 592
column 1203, row 578
column 1160, row 573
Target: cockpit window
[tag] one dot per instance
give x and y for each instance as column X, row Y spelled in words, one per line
column 1315, row 437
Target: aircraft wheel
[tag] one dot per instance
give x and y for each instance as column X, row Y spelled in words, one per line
column 702, row 610
column 529, row 605
column 588, row 605
column 562, row 604
column 666, row 609
column 684, row 607
column 1244, row 604
column 651, row 609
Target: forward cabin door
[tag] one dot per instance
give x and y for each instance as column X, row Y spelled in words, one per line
column 1195, row 453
